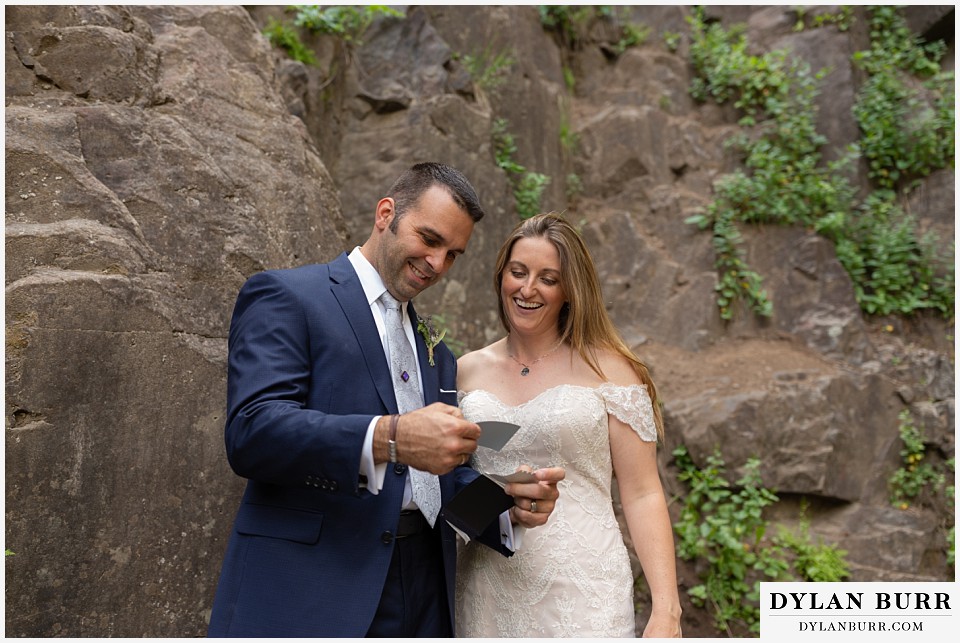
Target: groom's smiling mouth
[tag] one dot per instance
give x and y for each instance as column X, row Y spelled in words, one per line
column 419, row 273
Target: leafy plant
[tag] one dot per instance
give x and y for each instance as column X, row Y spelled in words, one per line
column 671, row 39
column 911, row 479
column 527, row 193
column 504, row 147
column 922, row 482
column 725, row 527
column 950, row 493
column 528, row 186
column 573, row 186
column 785, row 180
column 785, row 184
column 488, row 70
column 569, row 21
column 632, row 35
column 569, row 79
column 842, row 19
column 817, row 563
column 951, row 546
column 282, row 35
column 892, row 270
column 723, row 524
column 571, row 24
column 907, row 131
column 735, row 279
column 345, row 22
column 569, row 140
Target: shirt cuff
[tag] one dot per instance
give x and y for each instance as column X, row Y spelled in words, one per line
column 374, row 473
column 511, row 536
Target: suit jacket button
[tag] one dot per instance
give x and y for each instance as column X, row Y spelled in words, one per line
column 386, row 538
column 399, row 468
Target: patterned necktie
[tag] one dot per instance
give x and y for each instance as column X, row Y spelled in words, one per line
column 403, row 367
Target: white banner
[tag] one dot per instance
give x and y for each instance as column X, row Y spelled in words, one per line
column 859, row 611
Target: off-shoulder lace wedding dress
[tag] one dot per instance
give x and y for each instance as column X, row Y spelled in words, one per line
column 572, row 576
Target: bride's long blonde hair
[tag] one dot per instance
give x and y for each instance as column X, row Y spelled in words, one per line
column 584, row 321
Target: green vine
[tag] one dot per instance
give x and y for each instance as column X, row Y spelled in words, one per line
column 785, row 180
column 922, row 482
column 817, row 563
column 345, row 22
column 907, row 130
column 281, row 34
column 488, row 69
column 723, row 525
column 528, row 186
column 842, row 19
column 672, row 40
column 892, row 269
column 571, row 24
column 915, row 475
column 632, row 35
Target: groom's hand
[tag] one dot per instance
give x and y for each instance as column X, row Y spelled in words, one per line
column 535, row 501
column 435, row 438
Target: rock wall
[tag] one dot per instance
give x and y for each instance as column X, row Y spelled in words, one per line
column 156, row 156
column 150, row 168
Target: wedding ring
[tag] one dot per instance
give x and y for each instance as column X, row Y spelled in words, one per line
column 533, row 506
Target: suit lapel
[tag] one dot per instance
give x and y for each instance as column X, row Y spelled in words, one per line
column 428, row 373
column 345, row 286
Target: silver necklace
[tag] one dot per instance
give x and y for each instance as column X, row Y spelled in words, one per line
column 526, row 367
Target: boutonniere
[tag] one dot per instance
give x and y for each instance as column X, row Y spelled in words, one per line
column 431, row 336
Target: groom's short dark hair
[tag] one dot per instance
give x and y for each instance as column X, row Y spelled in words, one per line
column 411, row 185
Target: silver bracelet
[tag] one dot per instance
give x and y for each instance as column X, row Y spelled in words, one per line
column 392, row 441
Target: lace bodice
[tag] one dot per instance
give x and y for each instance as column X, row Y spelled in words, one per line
column 571, row 577
column 629, row 404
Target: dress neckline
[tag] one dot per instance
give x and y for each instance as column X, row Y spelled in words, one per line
column 463, row 394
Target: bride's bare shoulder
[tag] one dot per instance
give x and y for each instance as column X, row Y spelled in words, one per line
column 617, row 368
column 472, row 364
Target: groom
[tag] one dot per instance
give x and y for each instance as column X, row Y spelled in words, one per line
column 344, row 423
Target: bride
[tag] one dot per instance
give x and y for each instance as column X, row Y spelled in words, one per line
column 584, row 402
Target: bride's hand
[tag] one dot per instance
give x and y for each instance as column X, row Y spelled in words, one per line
column 662, row 626
column 535, row 501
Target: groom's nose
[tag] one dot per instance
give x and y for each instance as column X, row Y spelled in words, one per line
column 436, row 261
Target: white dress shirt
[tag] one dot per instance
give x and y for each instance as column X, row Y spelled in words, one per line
column 373, row 287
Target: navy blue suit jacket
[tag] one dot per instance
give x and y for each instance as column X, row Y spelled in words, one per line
column 310, row 548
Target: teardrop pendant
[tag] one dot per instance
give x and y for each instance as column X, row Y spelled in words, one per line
column 524, row 371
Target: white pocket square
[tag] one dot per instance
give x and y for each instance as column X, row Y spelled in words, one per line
column 443, row 390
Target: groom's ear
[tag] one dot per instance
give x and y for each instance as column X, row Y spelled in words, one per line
column 386, row 210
